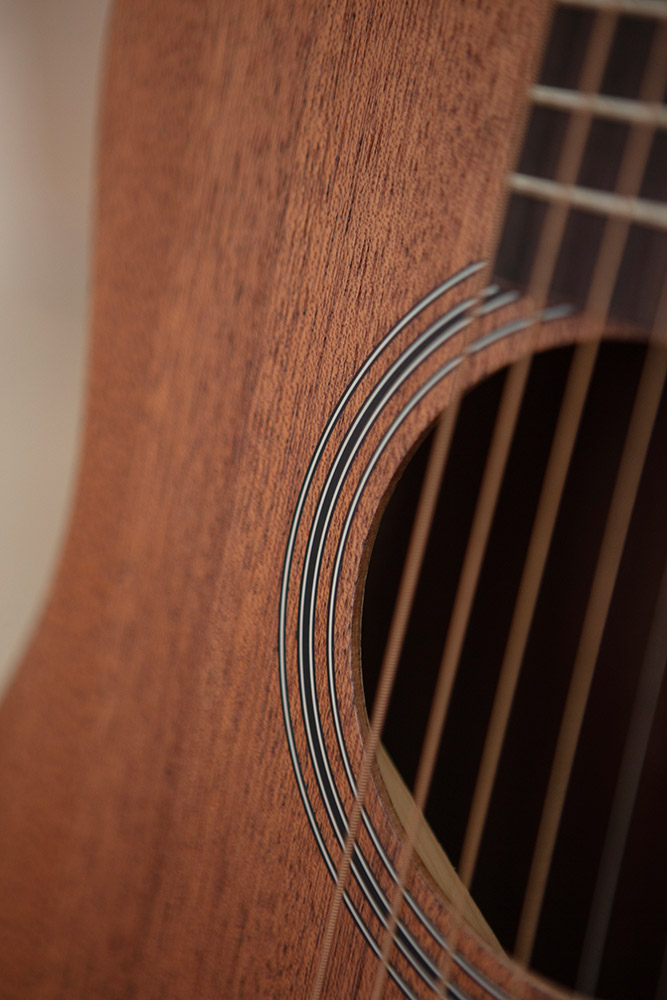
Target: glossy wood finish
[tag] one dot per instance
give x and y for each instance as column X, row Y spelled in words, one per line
column 278, row 184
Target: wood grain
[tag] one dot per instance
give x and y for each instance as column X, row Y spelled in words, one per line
column 278, row 183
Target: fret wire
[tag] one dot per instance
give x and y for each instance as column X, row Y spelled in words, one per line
column 622, row 503
column 600, row 105
column 652, row 214
column 655, row 9
column 627, row 785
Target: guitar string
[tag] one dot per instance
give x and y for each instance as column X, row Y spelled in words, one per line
column 627, row 783
column 627, row 482
column 541, row 276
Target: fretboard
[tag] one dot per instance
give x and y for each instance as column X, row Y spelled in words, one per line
column 596, row 186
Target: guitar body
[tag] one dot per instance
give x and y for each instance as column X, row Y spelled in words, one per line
column 278, row 185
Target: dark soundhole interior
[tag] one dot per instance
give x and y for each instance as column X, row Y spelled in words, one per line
column 634, row 962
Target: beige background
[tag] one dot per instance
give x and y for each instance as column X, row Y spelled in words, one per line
column 50, row 54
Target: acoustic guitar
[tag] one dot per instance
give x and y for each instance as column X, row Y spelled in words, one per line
column 350, row 682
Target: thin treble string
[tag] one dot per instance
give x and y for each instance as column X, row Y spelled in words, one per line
column 540, row 281
column 618, row 518
column 641, row 723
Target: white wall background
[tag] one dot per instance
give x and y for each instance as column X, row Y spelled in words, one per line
column 50, row 55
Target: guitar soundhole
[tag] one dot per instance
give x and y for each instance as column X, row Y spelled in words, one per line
column 633, row 960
